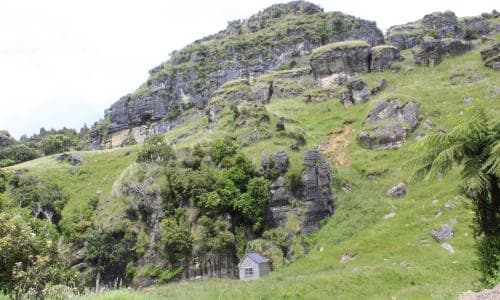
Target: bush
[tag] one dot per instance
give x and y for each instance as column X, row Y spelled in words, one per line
column 252, row 203
column 17, row 153
column 221, row 149
column 57, row 143
column 294, row 180
column 156, row 149
column 109, row 252
column 176, row 239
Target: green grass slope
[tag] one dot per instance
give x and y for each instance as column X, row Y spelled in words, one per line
column 393, row 257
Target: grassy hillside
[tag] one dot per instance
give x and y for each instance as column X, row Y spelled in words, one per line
column 393, row 256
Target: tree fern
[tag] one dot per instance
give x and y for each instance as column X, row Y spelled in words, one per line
column 475, row 145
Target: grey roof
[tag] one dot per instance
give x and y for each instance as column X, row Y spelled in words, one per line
column 256, row 257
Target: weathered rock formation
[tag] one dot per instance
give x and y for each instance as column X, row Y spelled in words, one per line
column 342, row 57
column 431, row 51
column 273, row 39
column 392, row 122
column 439, row 25
column 313, row 195
column 357, row 92
column 334, row 62
column 491, row 56
column 382, row 57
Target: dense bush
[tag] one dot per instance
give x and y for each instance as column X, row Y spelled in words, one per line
column 29, row 258
column 43, row 199
column 17, row 153
column 156, row 149
column 57, row 143
column 109, row 252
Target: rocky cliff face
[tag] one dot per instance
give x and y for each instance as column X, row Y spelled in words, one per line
column 281, row 36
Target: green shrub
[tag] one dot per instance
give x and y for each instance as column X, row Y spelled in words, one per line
column 47, row 198
column 156, row 149
column 17, row 153
column 294, row 180
column 57, row 143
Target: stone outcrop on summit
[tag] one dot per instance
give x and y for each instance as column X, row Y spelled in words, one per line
column 281, row 36
column 439, row 25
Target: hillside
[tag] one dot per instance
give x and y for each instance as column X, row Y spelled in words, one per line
column 392, row 257
column 327, row 137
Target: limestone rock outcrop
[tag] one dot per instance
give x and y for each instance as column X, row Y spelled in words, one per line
column 431, row 51
column 391, row 121
column 342, row 57
column 314, row 197
column 439, row 25
column 491, row 56
column 383, row 56
column 357, row 92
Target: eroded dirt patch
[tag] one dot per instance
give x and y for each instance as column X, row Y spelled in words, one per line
column 336, row 149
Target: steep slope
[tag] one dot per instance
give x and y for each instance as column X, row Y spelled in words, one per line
column 279, row 37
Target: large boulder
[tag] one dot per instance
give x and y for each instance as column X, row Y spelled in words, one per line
column 431, row 51
column 491, row 56
column 341, row 57
column 383, row 56
column 383, row 137
column 393, row 110
column 397, row 191
column 391, row 121
column 357, row 92
column 442, row 233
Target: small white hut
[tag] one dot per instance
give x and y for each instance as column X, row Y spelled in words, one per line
column 253, row 266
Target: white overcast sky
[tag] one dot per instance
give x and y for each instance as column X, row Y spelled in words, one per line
column 63, row 62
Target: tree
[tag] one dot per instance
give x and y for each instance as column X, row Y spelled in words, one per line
column 6, row 139
column 475, row 145
column 56, row 143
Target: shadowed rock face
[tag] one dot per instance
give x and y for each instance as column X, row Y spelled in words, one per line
column 383, row 57
column 348, row 60
column 314, row 196
column 431, row 51
column 395, row 120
